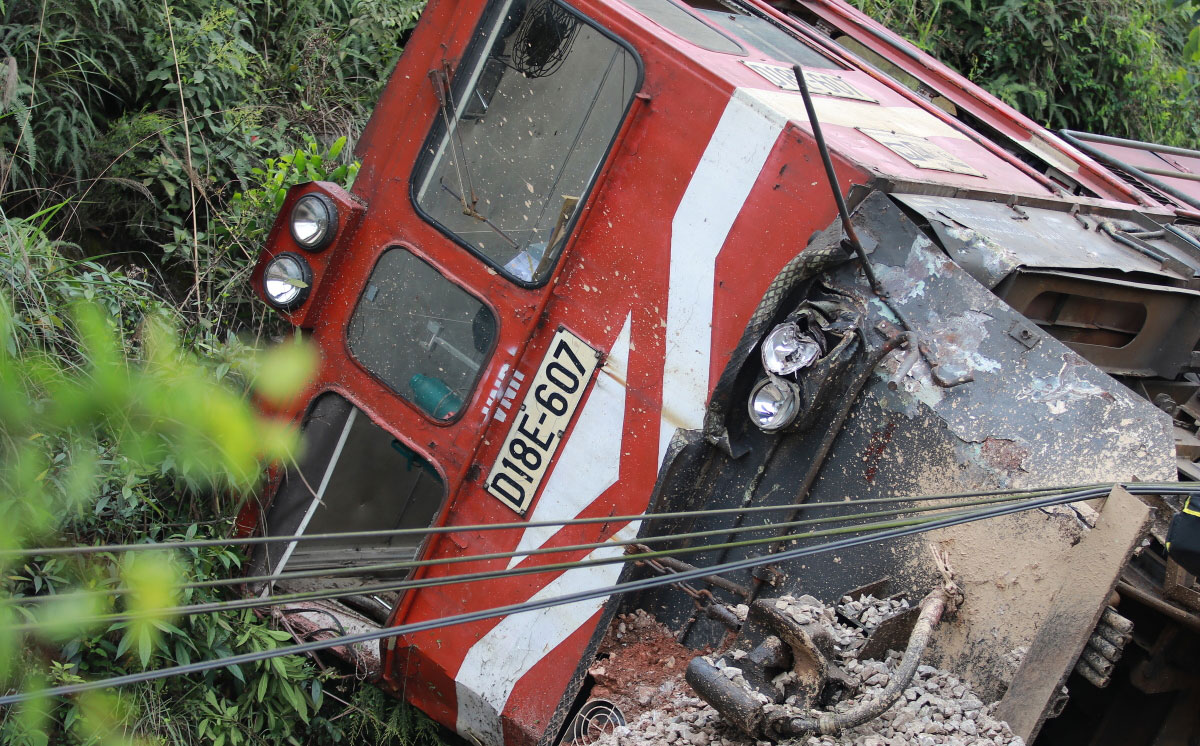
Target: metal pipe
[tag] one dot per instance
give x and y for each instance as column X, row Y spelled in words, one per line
column 1091, row 675
column 1111, row 635
column 1113, row 619
column 1184, row 236
column 1171, row 174
column 1166, row 609
column 830, row 723
column 1111, row 160
column 1105, row 648
column 843, row 211
column 1117, row 235
column 1135, row 144
column 681, row 566
column 1097, row 661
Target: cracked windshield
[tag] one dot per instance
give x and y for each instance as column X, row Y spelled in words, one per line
column 535, row 105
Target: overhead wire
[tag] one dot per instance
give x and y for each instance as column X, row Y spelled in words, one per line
column 412, row 564
column 543, row 603
column 325, row 594
column 393, row 586
column 435, row 530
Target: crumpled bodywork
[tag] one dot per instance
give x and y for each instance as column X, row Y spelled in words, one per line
column 991, row 401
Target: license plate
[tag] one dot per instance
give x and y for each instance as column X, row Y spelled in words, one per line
column 539, row 425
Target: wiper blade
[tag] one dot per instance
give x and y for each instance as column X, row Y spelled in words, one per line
column 481, row 217
column 458, row 155
column 441, row 89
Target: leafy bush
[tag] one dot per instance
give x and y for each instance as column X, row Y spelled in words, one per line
column 1104, row 66
column 147, row 117
column 144, row 150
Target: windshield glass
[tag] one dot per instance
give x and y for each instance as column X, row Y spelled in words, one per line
column 523, row 131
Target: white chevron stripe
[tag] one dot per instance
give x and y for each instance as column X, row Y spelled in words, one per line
column 590, row 461
column 496, row 663
column 714, row 198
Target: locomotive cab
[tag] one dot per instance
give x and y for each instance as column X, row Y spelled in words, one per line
column 566, row 218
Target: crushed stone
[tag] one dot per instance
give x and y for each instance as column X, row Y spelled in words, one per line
column 869, row 611
column 937, row 709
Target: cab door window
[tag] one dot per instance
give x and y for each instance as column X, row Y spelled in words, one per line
column 351, row 475
column 421, row 334
column 522, row 132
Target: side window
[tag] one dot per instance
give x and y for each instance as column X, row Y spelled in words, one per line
column 421, row 334
column 769, row 39
column 535, row 105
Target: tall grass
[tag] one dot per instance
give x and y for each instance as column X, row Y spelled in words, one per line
column 128, row 330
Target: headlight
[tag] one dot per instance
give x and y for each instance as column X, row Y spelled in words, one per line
column 786, row 350
column 774, row 403
column 314, row 221
column 286, row 280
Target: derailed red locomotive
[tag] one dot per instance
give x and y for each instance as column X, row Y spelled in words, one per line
column 591, row 266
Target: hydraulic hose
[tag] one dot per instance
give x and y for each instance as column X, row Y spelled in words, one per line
column 831, row 723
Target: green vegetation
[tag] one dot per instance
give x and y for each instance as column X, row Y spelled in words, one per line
column 144, row 149
column 1115, row 67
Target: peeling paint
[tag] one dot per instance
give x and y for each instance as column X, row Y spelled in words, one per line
column 1067, row 386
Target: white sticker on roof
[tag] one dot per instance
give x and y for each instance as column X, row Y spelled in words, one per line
column 819, row 84
column 920, row 152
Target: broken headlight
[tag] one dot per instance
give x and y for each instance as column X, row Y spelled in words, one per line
column 774, row 403
column 787, row 349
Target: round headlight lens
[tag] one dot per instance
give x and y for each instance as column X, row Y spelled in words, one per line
column 774, row 403
column 286, row 280
column 314, row 221
column 786, row 350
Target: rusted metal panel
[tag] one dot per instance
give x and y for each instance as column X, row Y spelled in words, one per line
column 991, row 239
column 1074, row 611
column 1161, row 345
column 1028, row 412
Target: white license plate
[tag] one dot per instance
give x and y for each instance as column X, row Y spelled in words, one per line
column 539, row 425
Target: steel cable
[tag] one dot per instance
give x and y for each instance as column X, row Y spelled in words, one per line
column 619, row 588
column 412, row 564
column 393, row 533
column 324, row 594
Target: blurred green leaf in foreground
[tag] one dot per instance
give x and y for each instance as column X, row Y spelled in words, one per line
column 88, row 397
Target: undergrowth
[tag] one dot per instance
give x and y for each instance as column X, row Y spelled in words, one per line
column 1115, row 67
column 145, row 147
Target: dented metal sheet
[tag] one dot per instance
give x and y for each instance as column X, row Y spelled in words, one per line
column 991, row 239
column 991, row 402
column 1042, row 399
column 319, row 619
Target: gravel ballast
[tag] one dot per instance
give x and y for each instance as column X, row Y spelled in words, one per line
column 937, row 709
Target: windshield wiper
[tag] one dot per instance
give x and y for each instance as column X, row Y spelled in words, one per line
column 441, row 89
column 479, row 216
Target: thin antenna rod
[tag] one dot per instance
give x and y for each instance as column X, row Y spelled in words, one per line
column 833, row 184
